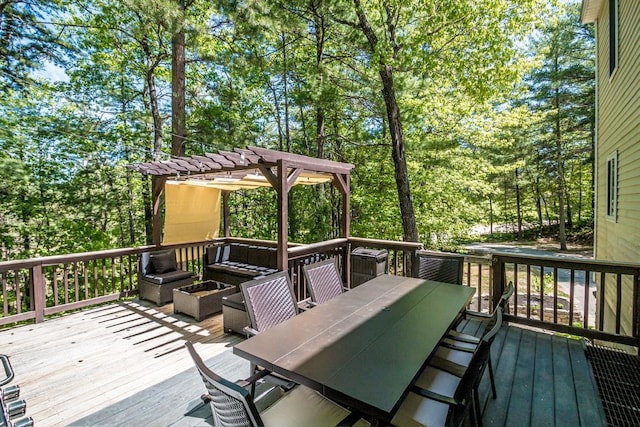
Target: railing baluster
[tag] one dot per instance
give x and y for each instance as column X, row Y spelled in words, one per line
column 85, row 274
column 95, row 278
column 555, row 295
column 587, row 282
column 618, row 301
column 515, row 283
column 541, row 308
column 76, row 285
column 65, row 283
column 636, row 305
column 571, row 291
column 5, row 294
column 54, row 273
column 528, row 291
column 479, row 288
column 603, row 277
column 16, row 285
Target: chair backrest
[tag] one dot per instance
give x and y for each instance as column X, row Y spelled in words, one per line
column 231, row 404
column 157, row 262
column 481, row 357
column 323, row 280
column 504, row 299
column 493, row 326
column 269, row 300
column 440, row 267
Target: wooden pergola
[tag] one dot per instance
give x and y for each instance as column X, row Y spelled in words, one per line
column 281, row 170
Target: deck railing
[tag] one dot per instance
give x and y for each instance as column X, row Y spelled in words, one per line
column 36, row 288
column 400, row 258
column 559, row 294
column 554, row 293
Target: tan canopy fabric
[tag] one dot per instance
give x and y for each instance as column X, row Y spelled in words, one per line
column 192, row 213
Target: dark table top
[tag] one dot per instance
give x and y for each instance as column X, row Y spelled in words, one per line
column 366, row 346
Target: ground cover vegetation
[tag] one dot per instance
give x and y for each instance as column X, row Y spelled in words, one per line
column 454, row 112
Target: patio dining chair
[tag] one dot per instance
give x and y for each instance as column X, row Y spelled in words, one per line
column 440, row 398
column 479, row 322
column 455, row 357
column 440, row 266
column 323, row 281
column 233, row 405
column 269, row 301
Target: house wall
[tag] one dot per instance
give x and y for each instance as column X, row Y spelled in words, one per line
column 618, row 128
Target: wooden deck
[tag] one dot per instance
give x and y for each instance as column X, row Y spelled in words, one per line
column 125, row 364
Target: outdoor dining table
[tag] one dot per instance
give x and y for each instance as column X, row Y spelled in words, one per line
column 366, row 346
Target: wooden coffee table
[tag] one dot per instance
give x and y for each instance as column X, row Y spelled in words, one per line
column 202, row 299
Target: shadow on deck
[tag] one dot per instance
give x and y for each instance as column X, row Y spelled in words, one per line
column 125, row 364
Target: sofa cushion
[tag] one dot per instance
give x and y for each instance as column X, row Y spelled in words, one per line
column 238, row 252
column 230, row 269
column 168, row 277
column 164, row 261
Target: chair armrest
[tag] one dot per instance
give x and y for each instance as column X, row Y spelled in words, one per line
column 459, row 345
column 306, row 304
column 433, row 395
column 477, row 315
column 250, row 331
column 458, row 336
column 253, row 378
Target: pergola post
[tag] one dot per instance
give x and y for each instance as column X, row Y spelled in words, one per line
column 226, row 214
column 283, row 215
column 343, row 183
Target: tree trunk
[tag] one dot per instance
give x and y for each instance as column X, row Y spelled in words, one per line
column 285, row 83
column 539, row 204
column 155, row 111
column 409, row 226
column 178, row 92
column 518, row 208
column 407, row 213
column 490, row 215
column 562, row 235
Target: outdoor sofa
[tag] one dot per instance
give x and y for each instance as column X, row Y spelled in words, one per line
column 235, row 263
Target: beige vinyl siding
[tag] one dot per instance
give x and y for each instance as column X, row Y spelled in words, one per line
column 619, row 129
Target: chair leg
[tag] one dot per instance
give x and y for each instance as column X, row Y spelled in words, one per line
column 476, row 405
column 253, row 370
column 493, row 383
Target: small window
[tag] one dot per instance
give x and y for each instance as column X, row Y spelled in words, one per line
column 613, row 36
column 612, row 186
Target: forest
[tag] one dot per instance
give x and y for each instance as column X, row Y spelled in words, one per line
column 455, row 113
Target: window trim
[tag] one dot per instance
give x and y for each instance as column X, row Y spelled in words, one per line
column 612, row 187
column 614, row 37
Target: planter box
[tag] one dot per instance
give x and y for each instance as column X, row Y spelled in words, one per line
column 201, row 300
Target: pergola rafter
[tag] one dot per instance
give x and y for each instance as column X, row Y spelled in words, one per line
column 281, row 170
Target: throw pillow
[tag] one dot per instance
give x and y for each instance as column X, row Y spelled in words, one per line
column 163, row 262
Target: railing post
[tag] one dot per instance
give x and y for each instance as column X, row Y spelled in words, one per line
column 497, row 285
column 636, row 307
column 346, row 262
column 39, row 293
column 414, row 263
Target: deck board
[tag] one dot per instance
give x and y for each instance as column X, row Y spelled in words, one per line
column 541, row 379
column 519, row 407
column 125, row 364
